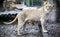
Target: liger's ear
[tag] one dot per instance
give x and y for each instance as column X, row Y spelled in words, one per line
column 45, row 2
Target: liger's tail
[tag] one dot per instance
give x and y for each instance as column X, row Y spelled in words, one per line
column 11, row 21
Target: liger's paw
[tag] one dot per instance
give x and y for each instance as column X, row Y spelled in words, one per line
column 19, row 34
column 45, row 31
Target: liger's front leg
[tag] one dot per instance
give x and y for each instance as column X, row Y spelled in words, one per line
column 43, row 23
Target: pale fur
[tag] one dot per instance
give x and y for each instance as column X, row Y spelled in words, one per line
column 32, row 14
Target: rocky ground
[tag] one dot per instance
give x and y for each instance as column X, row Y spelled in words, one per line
column 10, row 31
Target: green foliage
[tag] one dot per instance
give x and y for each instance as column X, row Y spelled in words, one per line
column 33, row 2
column 36, row 2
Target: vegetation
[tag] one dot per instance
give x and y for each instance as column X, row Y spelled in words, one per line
column 33, row 2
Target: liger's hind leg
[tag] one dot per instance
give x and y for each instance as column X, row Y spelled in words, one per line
column 20, row 25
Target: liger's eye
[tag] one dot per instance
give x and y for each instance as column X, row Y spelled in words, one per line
column 53, row 5
column 50, row 6
column 46, row 6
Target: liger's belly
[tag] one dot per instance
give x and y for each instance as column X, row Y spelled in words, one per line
column 35, row 17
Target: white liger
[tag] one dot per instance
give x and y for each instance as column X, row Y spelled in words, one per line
column 39, row 14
